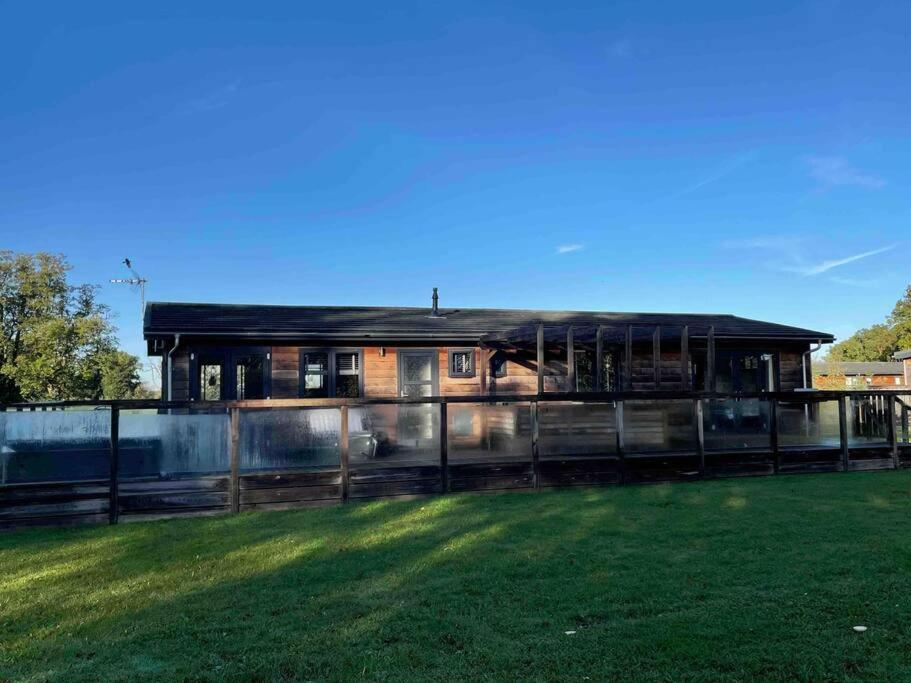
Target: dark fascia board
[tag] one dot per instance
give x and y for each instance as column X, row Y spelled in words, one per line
column 349, row 337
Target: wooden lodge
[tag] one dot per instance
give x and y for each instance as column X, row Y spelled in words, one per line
column 215, row 352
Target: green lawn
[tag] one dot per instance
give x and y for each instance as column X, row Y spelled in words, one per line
column 727, row 580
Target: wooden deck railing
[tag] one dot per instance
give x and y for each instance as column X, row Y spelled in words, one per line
column 94, row 461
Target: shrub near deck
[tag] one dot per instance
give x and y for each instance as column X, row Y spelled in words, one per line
column 725, row 580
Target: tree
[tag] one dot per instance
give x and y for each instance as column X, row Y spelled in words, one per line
column 119, row 375
column 878, row 342
column 900, row 321
column 56, row 340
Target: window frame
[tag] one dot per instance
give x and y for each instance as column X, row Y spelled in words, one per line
column 332, row 369
column 499, row 372
column 227, row 357
column 461, row 350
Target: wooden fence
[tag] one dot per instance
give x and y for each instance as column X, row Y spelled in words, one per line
column 112, row 461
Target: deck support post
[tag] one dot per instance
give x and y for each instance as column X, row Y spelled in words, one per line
column 710, row 360
column 773, row 435
column 114, row 497
column 570, row 360
column 843, row 431
column 700, row 434
column 599, row 359
column 656, row 356
column 628, row 360
column 535, row 459
column 685, row 358
column 484, row 359
column 444, row 447
column 343, row 451
column 235, row 459
column 621, row 445
column 540, row 345
column 905, row 434
column 891, row 431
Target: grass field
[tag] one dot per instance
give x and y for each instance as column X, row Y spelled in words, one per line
column 727, row 580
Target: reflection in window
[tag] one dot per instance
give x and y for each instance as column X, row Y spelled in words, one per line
column 585, row 370
column 461, row 363
column 315, row 368
column 347, row 375
column 498, row 365
column 210, row 382
column 250, row 384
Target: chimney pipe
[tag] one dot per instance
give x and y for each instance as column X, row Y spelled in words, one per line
column 436, row 303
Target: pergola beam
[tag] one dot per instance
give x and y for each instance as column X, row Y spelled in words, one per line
column 599, row 357
column 685, row 358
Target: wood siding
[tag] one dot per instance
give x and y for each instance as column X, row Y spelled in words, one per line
column 381, row 371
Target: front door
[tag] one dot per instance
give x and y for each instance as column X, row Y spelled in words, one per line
column 418, row 373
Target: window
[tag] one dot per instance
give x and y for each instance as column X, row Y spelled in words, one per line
column 250, row 377
column 461, row 362
column 220, row 373
column 210, row 375
column 315, row 375
column 347, row 375
column 327, row 373
column 586, row 368
column 498, row 365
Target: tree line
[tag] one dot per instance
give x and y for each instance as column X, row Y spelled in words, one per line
column 878, row 342
column 57, row 341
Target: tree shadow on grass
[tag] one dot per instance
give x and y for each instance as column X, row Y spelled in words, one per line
column 457, row 586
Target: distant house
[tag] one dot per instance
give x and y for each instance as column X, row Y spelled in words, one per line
column 214, row 352
column 856, row 375
column 904, row 357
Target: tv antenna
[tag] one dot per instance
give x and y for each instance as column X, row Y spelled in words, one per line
column 136, row 281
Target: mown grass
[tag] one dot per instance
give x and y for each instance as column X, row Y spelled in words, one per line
column 733, row 580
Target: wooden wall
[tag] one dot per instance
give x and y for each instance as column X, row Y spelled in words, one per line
column 381, row 372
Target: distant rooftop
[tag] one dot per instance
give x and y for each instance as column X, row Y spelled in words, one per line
column 858, row 368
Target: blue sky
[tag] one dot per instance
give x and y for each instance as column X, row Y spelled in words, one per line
column 748, row 158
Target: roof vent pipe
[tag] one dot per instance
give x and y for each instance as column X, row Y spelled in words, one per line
column 435, row 311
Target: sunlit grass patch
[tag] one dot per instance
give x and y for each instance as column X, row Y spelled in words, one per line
column 740, row 580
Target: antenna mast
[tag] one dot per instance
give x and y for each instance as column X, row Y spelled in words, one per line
column 137, row 281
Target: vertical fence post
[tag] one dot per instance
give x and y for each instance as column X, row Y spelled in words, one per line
column 843, row 431
column 444, row 447
column 618, row 417
column 773, row 435
column 540, row 357
column 700, row 434
column 235, row 459
column 905, row 434
column 891, row 431
column 114, row 501
column 343, row 451
column 599, row 358
column 3, row 457
column 535, row 462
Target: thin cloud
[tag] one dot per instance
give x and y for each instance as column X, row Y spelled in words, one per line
column 569, row 248
column 622, row 48
column 825, row 266
column 836, row 171
column 216, row 99
column 792, row 249
column 722, row 171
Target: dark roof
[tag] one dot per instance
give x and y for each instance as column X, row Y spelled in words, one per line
column 857, row 368
column 416, row 323
column 902, row 355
